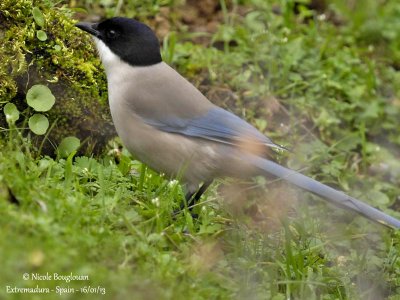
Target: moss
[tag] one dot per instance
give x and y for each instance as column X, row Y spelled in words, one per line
column 66, row 62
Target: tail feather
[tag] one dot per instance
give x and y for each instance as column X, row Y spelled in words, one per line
column 267, row 167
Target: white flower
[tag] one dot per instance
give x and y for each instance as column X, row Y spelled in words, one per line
column 156, row 201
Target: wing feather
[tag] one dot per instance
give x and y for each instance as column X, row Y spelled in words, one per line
column 216, row 125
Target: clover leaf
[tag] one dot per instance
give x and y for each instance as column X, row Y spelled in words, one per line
column 11, row 112
column 38, row 123
column 40, row 98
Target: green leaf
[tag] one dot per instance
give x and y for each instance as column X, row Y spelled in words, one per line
column 38, row 16
column 378, row 198
column 41, row 35
column 11, row 112
column 38, row 123
column 40, row 98
column 68, row 145
column 261, row 124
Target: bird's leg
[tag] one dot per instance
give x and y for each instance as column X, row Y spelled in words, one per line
column 192, row 197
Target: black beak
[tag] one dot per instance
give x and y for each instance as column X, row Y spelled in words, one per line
column 89, row 27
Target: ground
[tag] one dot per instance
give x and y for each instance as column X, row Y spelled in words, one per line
column 320, row 78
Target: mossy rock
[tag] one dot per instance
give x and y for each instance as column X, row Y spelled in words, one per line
column 66, row 62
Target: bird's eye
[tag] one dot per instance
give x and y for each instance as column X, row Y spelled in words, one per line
column 111, row 34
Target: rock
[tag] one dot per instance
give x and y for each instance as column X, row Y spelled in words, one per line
column 66, row 62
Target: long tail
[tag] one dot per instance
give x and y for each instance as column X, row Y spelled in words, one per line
column 267, row 167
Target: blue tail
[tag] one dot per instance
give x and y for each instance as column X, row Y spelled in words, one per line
column 267, row 167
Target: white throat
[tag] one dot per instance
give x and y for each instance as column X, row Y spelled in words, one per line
column 116, row 69
column 108, row 58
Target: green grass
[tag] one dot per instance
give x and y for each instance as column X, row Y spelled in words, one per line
column 328, row 91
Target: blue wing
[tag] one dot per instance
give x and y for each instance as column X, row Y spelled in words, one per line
column 216, row 125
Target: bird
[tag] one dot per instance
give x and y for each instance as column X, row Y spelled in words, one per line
column 169, row 125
